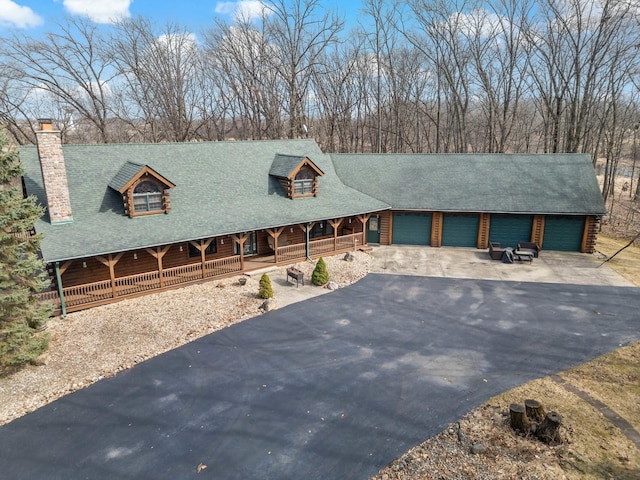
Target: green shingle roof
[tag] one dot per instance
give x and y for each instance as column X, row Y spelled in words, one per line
column 125, row 174
column 221, row 188
column 493, row 183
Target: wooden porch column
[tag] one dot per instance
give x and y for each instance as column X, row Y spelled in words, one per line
column 110, row 262
column 240, row 239
column 158, row 253
column 364, row 219
column 202, row 246
column 275, row 234
column 335, row 224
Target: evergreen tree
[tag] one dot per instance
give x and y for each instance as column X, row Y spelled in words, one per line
column 320, row 275
column 22, row 272
column 266, row 290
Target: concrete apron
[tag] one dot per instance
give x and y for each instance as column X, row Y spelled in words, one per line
column 550, row 267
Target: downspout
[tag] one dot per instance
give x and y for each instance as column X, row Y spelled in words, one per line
column 308, row 246
column 63, row 307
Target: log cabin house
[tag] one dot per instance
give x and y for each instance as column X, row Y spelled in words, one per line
column 128, row 219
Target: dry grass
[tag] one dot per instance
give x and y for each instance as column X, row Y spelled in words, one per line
column 627, row 262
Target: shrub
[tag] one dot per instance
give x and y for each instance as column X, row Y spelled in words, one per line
column 320, row 276
column 266, row 291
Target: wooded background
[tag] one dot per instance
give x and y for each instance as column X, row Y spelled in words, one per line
column 424, row 76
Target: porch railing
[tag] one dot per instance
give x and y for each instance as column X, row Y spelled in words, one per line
column 318, row 247
column 137, row 283
column 96, row 293
column 87, row 293
column 222, row 266
column 291, row 253
column 350, row 242
column 182, row 274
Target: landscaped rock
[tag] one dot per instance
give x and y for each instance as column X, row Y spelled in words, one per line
column 348, row 257
column 269, row 304
column 332, row 285
column 242, row 280
column 478, row 448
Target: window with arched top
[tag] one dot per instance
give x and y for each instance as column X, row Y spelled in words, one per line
column 147, row 197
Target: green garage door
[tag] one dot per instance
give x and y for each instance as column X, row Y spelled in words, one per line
column 510, row 229
column 460, row 230
column 563, row 233
column 411, row 228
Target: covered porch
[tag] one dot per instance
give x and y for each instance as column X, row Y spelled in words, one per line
column 243, row 252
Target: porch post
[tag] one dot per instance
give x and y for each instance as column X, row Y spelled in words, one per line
column 158, row 254
column 335, row 224
column 111, row 263
column 240, row 239
column 63, row 306
column 275, row 234
column 363, row 219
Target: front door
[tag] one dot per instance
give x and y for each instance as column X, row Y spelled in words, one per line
column 373, row 230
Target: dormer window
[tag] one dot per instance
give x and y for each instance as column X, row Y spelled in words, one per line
column 303, row 183
column 144, row 191
column 298, row 176
column 147, row 197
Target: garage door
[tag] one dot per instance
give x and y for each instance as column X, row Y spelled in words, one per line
column 510, row 229
column 563, row 233
column 460, row 230
column 411, row 228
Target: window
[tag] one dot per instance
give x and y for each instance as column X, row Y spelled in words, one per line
column 321, row 229
column 303, row 183
column 194, row 252
column 147, row 197
column 250, row 245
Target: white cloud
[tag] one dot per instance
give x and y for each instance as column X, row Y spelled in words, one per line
column 243, row 9
column 14, row 15
column 100, row 11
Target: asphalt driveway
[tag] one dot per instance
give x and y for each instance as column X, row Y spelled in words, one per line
column 332, row 388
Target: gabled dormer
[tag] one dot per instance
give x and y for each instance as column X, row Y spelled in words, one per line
column 297, row 175
column 144, row 191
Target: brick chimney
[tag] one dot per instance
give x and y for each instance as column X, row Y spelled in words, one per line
column 54, row 173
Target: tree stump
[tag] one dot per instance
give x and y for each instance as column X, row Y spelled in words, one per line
column 548, row 430
column 519, row 420
column 535, row 410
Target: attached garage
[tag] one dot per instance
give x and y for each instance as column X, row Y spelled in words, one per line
column 474, row 199
column 460, row 229
column 508, row 230
column 563, row 233
column 411, row 228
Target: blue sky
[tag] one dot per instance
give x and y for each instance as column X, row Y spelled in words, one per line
column 35, row 16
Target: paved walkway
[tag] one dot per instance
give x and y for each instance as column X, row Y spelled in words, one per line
column 332, row 388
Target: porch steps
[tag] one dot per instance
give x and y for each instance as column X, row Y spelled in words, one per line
column 365, row 248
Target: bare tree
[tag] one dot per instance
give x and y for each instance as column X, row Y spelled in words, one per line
column 573, row 50
column 70, row 64
column 161, row 72
column 243, row 55
column 300, row 32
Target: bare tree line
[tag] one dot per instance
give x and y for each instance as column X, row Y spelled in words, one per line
column 417, row 76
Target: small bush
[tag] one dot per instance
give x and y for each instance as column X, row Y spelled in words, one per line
column 266, row 290
column 320, row 276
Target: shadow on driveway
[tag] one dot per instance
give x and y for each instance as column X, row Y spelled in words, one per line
column 332, row 388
